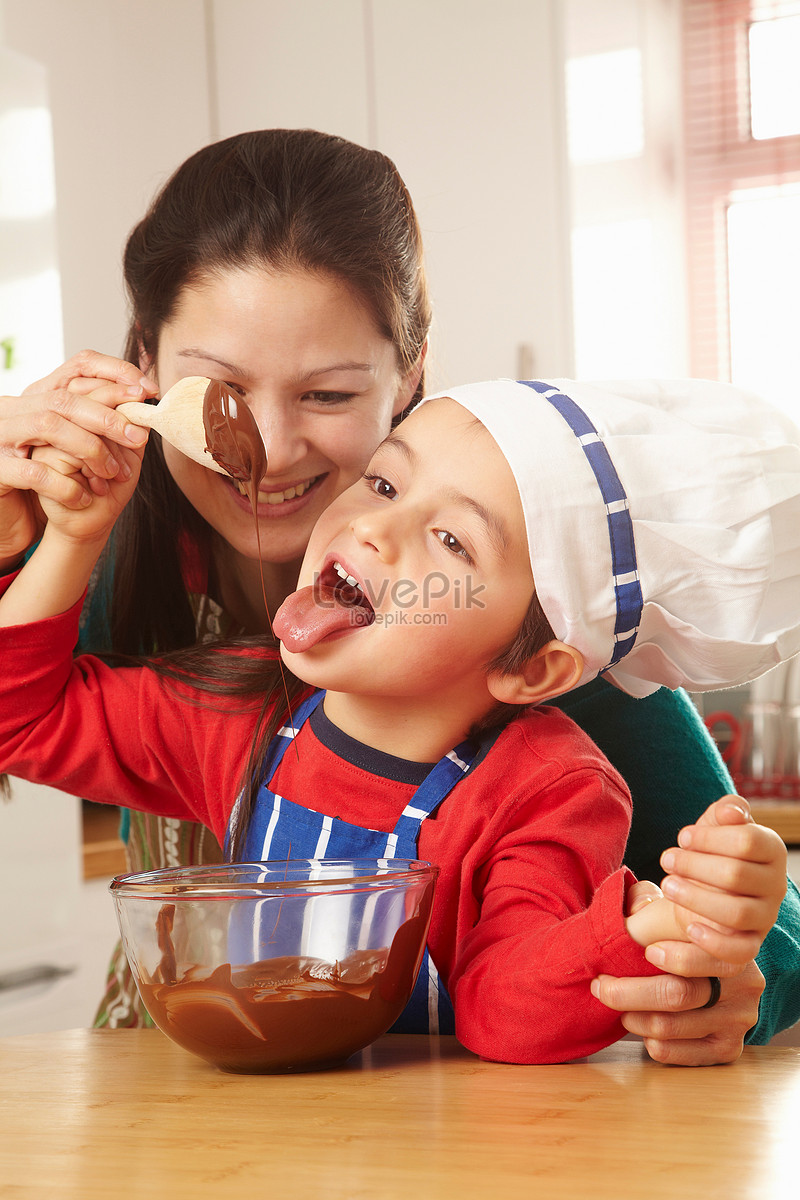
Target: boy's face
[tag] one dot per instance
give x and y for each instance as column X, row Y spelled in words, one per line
column 434, row 537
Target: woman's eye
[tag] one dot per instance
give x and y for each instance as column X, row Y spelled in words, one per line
column 452, row 543
column 328, row 397
column 235, row 387
column 381, row 486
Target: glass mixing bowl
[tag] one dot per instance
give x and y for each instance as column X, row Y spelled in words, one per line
column 276, row 966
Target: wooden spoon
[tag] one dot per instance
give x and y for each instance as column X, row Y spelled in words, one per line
column 178, row 417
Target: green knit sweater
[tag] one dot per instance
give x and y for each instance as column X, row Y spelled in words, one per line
column 674, row 771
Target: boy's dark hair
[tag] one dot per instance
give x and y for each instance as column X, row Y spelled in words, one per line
column 534, row 633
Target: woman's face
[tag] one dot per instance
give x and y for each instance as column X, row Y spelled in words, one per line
column 322, row 383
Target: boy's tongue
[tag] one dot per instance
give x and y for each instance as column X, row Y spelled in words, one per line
column 308, row 616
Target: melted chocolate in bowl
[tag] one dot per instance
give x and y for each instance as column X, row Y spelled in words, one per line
column 285, row 1014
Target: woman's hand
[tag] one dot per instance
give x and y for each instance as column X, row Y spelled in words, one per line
column 66, row 411
column 727, row 879
column 667, row 1010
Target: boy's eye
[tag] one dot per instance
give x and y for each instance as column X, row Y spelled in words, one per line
column 452, row 543
column 381, row 486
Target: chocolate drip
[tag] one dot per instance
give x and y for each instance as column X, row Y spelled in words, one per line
column 234, row 441
column 233, row 438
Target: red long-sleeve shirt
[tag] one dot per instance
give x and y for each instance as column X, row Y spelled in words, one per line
column 530, row 900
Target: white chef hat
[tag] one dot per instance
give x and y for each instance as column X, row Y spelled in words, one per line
column 663, row 522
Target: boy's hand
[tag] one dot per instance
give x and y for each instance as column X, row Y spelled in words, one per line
column 80, row 513
column 88, row 505
column 726, row 878
column 72, row 409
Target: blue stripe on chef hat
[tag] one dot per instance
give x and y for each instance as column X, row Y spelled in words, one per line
column 702, row 539
column 627, row 587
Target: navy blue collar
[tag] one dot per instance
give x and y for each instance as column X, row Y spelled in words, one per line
column 385, row 766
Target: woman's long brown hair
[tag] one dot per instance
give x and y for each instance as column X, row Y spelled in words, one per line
column 275, row 199
column 254, row 679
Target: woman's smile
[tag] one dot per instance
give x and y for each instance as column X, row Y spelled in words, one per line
column 278, row 500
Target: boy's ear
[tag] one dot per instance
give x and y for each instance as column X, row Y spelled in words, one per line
column 553, row 670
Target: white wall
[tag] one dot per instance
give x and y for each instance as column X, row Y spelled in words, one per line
column 469, row 101
column 294, row 65
column 627, row 201
column 129, row 98
column 466, row 97
column 31, row 326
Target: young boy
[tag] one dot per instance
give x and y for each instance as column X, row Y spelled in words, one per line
column 505, row 544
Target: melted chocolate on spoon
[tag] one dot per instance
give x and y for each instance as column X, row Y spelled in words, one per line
column 233, row 439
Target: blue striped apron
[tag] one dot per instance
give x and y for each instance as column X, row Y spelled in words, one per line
column 280, row 829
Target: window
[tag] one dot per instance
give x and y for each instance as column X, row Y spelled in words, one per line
column 31, row 339
column 742, row 154
column 622, row 89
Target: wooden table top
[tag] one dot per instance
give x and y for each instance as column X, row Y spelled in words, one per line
column 97, row 1114
column 781, row 815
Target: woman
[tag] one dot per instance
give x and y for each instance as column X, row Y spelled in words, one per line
column 288, row 263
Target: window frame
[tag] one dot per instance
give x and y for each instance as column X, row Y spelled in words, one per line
column 722, row 159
